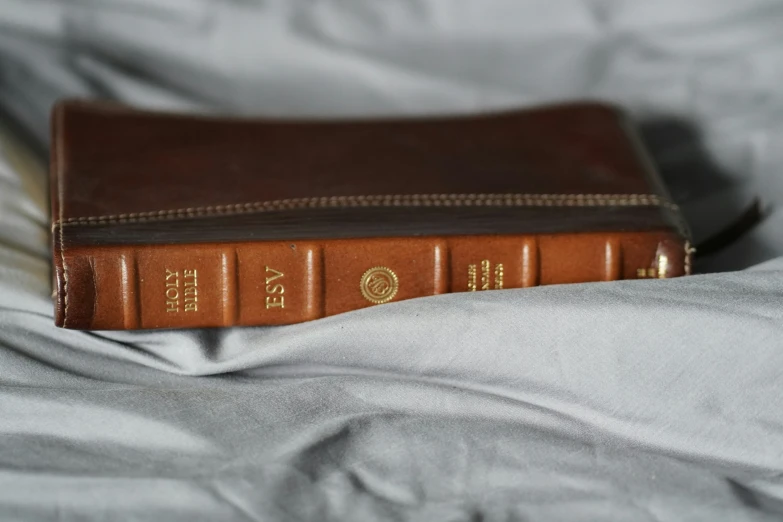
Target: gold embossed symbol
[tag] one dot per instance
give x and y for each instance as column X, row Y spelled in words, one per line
column 379, row 285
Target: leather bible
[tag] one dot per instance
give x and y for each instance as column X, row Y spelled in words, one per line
column 164, row 220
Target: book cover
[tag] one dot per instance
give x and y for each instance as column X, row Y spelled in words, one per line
column 164, row 220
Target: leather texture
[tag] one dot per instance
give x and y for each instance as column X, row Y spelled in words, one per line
column 562, row 194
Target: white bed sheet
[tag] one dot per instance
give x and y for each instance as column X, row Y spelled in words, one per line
column 636, row 400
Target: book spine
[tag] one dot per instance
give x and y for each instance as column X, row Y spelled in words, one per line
column 285, row 282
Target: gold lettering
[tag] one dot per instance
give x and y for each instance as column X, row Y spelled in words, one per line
column 484, row 280
column 499, row 276
column 276, row 275
column 191, row 290
column 172, row 291
column 275, row 289
column 275, row 302
column 644, row 273
column 472, row 278
column 485, row 274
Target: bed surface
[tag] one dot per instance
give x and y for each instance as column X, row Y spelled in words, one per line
column 631, row 400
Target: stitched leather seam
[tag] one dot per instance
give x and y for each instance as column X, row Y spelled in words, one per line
column 415, row 200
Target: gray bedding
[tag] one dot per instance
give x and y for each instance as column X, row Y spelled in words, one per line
column 636, row 400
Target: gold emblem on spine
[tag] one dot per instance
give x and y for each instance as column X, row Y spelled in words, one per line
column 379, row 285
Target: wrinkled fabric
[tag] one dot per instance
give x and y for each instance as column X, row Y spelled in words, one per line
column 629, row 400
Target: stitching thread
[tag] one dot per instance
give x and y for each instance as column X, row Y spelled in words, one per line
column 414, row 200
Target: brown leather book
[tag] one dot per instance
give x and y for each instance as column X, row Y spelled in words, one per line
column 168, row 221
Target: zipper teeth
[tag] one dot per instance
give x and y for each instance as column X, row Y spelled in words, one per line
column 414, row 200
